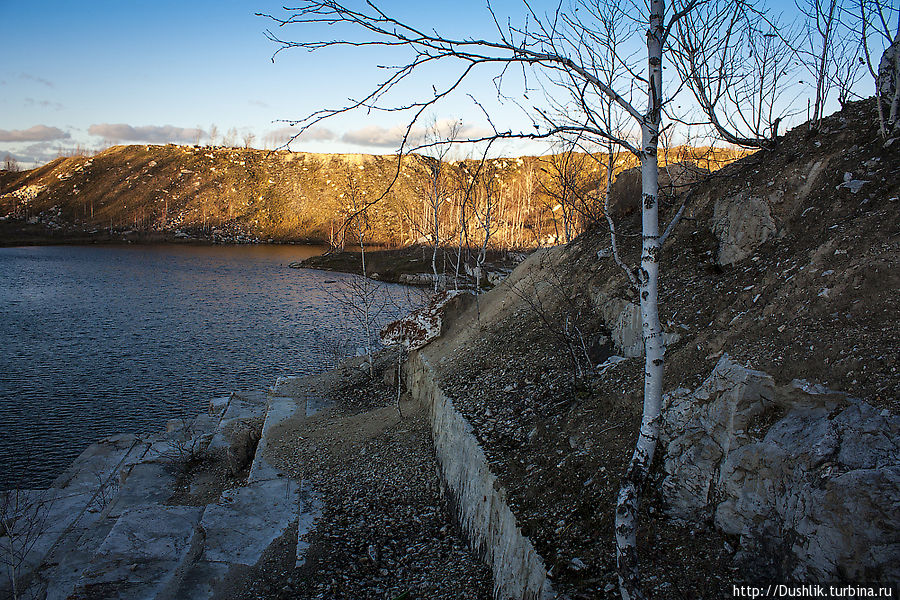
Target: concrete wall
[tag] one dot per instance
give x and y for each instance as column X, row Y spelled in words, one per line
column 479, row 499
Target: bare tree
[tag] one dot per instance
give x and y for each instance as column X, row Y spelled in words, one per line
column 9, row 163
column 736, row 64
column 248, row 138
column 436, row 187
column 560, row 51
column 361, row 298
column 464, row 184
column 213, row 134
column 23, row 520
column 230, row 138
column 484, row 209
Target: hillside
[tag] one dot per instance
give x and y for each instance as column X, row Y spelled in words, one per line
column 229, row 195
column 781, row 437
column 778, row 460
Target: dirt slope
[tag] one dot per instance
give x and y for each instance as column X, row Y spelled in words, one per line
column 777, row 262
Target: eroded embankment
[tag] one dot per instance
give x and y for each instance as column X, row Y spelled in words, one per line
column 479, row 499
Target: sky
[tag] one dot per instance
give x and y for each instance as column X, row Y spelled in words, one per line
column 93, row 74
column 104, row 72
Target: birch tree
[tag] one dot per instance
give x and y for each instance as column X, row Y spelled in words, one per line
column 437, row 188
column 561, row 51
column 879, row 23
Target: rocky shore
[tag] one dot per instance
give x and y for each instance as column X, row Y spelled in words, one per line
column 317, row 488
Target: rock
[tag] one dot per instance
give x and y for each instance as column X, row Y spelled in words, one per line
column 815, row 492
column 243, row 441
column 623, row 319
column 701, row 426
column 741, row 223
column 854, row 185
column 420, row 327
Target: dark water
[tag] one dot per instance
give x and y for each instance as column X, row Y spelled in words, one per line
column 102, row 340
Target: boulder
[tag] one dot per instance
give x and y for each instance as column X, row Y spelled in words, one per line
column 807, row 478
column 741, row 223
column 426, row 324
column 623, row 319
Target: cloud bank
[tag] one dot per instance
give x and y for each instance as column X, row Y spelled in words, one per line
column 156, row 134
column 38, row 133
column 374, row 135
column 281, row 136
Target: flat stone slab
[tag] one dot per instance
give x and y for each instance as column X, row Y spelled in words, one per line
column 304, row 391
column 200, row 582
column 96, row 464
column 58, row 516
column 142, row 554
column 64, row 565
column 38, row 518
column 217, row 406
column 146, row 483
column 241, row 406
column 247, row 520
column 280, row 410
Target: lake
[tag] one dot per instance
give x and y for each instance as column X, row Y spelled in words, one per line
column 102, row 340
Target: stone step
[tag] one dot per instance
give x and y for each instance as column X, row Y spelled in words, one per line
column 112, row 534
column 116, row 474
column 63, row 568
column 279, row 410
column 241, row 406
column 55, row 518
column 305, row 392
column 145, row 554
column 237, row 530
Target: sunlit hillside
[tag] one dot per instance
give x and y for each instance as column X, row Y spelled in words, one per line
column 239, row 195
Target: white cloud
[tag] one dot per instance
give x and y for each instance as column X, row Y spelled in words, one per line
column 36, row 154
column 374, row 135
column 157, row 134
column 38, row 133
column 280, row 136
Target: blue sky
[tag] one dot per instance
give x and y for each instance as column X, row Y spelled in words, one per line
column 102, row 72
column 165, row 68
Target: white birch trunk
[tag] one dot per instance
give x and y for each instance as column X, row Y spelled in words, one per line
column 366, row 299
column 887, row 86
column 654, row 347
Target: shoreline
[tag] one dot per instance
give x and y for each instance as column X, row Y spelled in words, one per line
column 19, row 233
column 262, row 495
